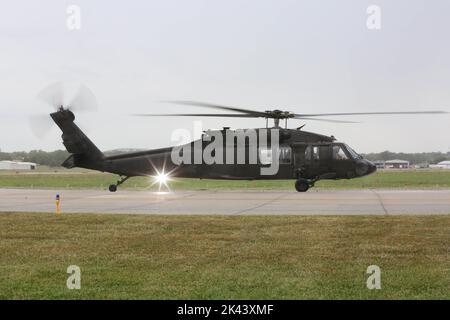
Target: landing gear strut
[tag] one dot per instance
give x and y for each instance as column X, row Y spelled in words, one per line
column 113, row 187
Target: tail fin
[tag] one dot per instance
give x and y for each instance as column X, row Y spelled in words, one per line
column 84, row 153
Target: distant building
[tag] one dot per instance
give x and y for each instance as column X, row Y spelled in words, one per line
column 397, row 164
column 380, row 164
column 17, row 165
column 441, row 165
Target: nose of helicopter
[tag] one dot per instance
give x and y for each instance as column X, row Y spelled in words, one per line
column 372, row 167
column 364, row 167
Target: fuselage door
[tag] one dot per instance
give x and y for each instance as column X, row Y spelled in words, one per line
column 312, row 160
column 342, row 161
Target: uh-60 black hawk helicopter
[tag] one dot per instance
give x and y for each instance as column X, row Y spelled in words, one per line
column 303, row 156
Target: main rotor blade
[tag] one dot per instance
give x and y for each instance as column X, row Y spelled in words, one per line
column 216, row 106
column 228, row 115
column 325, row 120
column 367, row 113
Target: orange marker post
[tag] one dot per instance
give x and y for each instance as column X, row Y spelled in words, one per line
column 58, row 205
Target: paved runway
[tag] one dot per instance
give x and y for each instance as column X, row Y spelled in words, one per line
column 243, row 202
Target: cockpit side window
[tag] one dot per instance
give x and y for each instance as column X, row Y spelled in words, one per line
column 339, row 153
column 353, row 153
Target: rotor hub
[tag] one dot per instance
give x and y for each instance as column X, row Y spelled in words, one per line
column 279, row 114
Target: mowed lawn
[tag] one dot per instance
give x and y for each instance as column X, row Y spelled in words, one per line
column 400, row 179
column 223, row 257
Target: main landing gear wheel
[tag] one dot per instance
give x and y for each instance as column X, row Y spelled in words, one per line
column 301, row 185
column 113, row 187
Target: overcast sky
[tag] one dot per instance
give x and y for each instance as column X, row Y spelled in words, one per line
column 301, row 56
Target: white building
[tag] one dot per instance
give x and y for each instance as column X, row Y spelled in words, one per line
column 397, row 164
column 17, row 165
column 380, row 164
column 441, row 165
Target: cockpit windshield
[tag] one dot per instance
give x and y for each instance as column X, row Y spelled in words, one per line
column 353, row 153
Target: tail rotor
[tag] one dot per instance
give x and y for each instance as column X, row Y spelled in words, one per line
column 61, row 96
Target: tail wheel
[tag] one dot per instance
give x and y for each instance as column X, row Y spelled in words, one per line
column 301, row 185
column 113, row 187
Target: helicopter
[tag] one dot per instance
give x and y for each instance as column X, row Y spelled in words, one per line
column 302, row 156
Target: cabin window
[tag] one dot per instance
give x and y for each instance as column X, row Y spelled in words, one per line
column 265, row 155
column 285, row 154
column 339, row 153
column 312, row 153
column 308, row 153
column 317, row 152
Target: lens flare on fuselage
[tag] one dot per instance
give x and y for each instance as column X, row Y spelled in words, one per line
column 161, row 178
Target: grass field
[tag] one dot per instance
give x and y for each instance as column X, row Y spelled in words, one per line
column 169, row 257
column 407, row 179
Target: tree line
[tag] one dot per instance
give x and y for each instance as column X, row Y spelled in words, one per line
column 413, row 158
column 51, row 159
column 56, row 158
